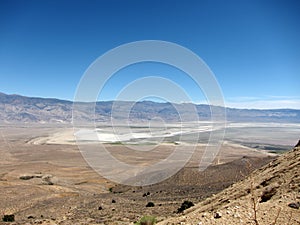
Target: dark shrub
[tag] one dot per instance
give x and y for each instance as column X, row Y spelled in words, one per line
column 8, row 218
column 150, row 204
column 185, row 205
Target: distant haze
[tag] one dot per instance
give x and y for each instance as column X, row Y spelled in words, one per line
column 20, row 109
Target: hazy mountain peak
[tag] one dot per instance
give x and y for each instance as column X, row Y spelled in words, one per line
column 21, row 109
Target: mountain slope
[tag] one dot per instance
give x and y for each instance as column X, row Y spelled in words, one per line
column 20, row 109
column 274, row 189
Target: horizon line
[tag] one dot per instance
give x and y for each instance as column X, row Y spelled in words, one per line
column 227, row 105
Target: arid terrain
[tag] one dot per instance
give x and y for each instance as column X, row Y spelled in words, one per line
column 270, row 195
column 149, row 112
column 51, row 183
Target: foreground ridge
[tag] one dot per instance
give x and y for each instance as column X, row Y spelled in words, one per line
column 269, row 195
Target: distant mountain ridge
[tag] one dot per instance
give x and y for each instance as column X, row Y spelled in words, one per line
column 21, row 109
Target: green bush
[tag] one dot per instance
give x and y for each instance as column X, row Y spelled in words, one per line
column 147, row 220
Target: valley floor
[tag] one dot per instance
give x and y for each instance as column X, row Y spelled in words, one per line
column 51, row 183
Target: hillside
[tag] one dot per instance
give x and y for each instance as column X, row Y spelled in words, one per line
column 273, row 191
column 20, row 109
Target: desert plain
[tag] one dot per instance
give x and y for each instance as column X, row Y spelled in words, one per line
column 44, row 178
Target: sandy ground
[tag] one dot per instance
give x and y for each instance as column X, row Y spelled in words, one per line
column 63, row 137
column 63, row 189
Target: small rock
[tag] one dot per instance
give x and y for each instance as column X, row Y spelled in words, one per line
column 30, row 217
column 183, row 220
column 26, row 177
column 46, row 179
column 100, row 208
column 294, row 205
column 268, row 194
column 113, row 201
column 217, row 215
column 90, row 220
column 236, row 215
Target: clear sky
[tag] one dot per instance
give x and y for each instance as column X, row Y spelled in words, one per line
column 253, row 47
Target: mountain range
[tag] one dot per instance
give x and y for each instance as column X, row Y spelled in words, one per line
column 21, row 109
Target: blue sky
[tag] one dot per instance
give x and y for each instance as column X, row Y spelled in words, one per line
column 252, row 47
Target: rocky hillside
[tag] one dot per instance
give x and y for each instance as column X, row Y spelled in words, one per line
column 20, row 109
column 270, row 195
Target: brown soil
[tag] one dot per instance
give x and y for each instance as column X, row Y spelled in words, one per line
column 274, row 189
column 52, row 184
